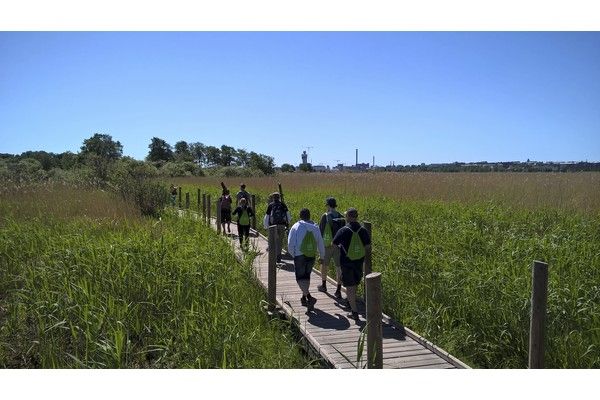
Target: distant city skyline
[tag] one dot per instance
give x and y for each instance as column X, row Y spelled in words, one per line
column 402, row 97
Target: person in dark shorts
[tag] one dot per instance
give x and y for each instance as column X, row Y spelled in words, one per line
column 226, row 211
column 244, row 213
column 277, row 214
column 353, row 241
column 304, row 242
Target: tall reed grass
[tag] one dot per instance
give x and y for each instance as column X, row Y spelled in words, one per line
column 81, row 289
column 459, row 271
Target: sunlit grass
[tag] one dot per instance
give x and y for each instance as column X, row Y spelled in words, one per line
column 459, row 271
column 82, row 289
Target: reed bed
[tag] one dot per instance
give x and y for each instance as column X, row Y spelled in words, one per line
column 81, row 289
column 459, row 271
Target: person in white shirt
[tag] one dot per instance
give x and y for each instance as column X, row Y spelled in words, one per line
column 304, row 240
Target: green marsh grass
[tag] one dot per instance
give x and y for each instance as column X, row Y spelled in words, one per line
column 458, row 271
column 115, row 291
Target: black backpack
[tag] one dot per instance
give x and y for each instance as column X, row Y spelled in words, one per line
column 337, row 222
column 278, row 215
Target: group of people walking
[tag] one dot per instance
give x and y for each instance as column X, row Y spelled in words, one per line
column 338, row 239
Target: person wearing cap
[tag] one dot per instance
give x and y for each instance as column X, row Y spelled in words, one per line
column 352, row 269
column 331, row 222
column 242, row 194
column 303, row 249
column 279, row 215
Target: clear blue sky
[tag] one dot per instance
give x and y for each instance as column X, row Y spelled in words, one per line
column 408, row 97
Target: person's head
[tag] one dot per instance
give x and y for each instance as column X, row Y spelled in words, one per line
column 243, row 202
column 305, row 214
column 351, row 214
column 330, row 202
column 225, row 191
column 243, row 186
column 276, row 196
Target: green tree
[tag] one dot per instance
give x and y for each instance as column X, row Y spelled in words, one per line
column 241, row 158
column 227, row 156
column 287, row 168
column 213, row 155
column 159, row 150
column 262, row 162
column 103, row 146
column 183, row 152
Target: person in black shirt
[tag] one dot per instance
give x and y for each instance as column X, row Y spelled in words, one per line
column 352, row 267
column 277, row 214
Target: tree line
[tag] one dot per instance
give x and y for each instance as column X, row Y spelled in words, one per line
column 100, row 155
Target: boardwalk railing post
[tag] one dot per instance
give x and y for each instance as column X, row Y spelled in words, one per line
column 204, row 206
column 254, row 209
column 374, row 315
column 187, row 200
column 198, row 199
column 539, row 296
column 272, row 284
column 219, row 216
column 179, row 196
column 368, row 251
column 208, row 209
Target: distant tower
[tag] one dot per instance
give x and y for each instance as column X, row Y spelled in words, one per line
column 356, row 164
column 372, row 165
column 304, row 157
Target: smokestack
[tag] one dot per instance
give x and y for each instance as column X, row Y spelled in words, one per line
column 372, row 165
column 356, row 164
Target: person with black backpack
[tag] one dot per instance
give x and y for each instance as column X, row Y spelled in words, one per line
column 331, row 222
column 353, row 241
column 304, row 241
column 277, row 214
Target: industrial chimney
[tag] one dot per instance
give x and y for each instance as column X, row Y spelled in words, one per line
column 356, row 164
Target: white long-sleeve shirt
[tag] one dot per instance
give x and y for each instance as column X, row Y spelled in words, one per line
column 296, row 235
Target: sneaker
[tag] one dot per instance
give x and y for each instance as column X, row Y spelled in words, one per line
column 303, row 301
column 338, row 294
column 322, row 288
column 311, row 302
column 352, row 315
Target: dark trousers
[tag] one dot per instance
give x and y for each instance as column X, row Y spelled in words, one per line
column 303, row 266
column 243, row 232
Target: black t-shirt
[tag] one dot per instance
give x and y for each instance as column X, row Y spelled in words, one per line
column 343, row 238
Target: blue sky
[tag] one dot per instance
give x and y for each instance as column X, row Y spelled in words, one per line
column 407, row 97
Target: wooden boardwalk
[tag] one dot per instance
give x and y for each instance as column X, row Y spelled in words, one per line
column 329, row 333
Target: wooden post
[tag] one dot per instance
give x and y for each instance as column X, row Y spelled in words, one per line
column 254, row 209
column 198, row 198
column 539, row 296
column 208, row 209
column 204, row 206
column 179, row 196
column 374, row 315
column 187, row 200
column 219, row 216
column 368, row 252
column 272, row 267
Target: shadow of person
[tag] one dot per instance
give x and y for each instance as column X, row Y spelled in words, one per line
column 324, row 320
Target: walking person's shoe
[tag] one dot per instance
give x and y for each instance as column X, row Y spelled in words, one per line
column 323, row 287
column 353, row 315
column 303, row 301
column 311, row 302
column 338, row 294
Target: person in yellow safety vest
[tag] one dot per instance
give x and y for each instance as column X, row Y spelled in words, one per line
column 244, row 213
column 304, row 242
